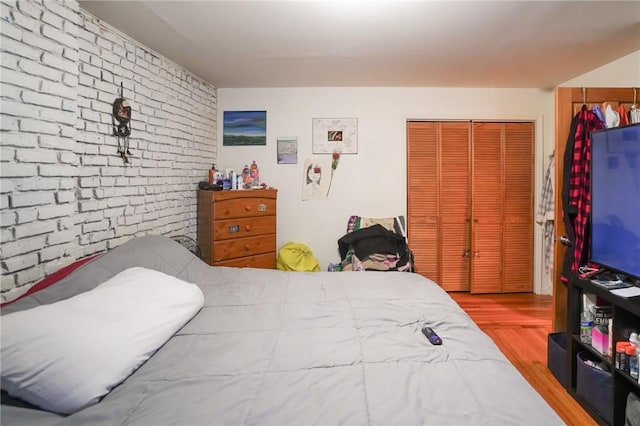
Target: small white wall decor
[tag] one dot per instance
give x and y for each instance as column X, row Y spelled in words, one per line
column 335, row 134
column 287, row 150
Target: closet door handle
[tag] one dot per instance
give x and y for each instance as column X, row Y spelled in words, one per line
column 566, row 241
column 466, row 253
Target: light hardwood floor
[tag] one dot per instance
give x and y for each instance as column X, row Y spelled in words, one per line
column 519, row 325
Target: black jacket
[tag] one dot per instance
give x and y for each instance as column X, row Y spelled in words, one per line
column 370, row 240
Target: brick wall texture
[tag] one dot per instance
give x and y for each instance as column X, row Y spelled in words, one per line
column 65, row 193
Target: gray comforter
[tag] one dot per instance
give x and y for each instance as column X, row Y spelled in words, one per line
column 294, row 348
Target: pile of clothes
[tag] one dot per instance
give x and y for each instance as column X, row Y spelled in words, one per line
column 375, row 245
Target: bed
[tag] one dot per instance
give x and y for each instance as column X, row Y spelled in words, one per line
column 271, row 347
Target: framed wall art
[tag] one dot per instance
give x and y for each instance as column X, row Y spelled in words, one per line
column 287, row 150
column 241, row 128
column 335, row 134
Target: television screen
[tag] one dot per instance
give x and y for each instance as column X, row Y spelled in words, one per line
column 615, row 199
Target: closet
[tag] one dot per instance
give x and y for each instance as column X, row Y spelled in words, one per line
column 470, row 204
column 568, row 101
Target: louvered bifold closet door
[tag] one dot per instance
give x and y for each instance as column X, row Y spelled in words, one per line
column 438, row 201
column 518, row 221
column 422, row 199
column 502, row 208
column 455, row 211
column 487, row 208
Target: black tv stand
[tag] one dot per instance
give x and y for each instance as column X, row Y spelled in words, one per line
column 626, row 318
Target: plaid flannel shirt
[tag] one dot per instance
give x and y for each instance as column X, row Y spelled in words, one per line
column 580, row 185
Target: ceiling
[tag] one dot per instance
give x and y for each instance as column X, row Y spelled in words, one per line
column 233, row 44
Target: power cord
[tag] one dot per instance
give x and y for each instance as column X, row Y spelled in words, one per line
column 588, row 271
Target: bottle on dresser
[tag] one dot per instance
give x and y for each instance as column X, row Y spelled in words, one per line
column 246, row 177
column 212, row 172
column 255, row 174
column 232, row 179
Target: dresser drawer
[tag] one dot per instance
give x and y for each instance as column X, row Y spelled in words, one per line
column 264, row 261
column 239, row 228
column 244, row 207
column 241, row 247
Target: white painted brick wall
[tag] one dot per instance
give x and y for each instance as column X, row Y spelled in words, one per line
column 64, row 191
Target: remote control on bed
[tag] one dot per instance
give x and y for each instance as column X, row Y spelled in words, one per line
column 431, row 336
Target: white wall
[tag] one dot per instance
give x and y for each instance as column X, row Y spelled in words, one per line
column 623, row 72
column 372, row 182
column 65, row 193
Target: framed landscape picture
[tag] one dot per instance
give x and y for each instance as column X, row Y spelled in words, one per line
column 287, row 150
column 241, row 128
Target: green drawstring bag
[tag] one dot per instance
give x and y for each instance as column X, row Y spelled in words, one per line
column 296, row 257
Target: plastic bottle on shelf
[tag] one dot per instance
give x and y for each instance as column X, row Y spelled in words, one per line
column 212, row 172
column 621, row 354
column 255, row 174
column 232, row 179
column 632, row 365
column 246, row 176
column 586, row 324
column 624, row 359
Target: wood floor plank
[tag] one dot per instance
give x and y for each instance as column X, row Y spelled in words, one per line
column 519, row 325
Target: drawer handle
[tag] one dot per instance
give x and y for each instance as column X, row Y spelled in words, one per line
column 247, row 247
column 248, row 227
column 247, row 208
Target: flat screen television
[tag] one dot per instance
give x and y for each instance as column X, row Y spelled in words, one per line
column 615, row 199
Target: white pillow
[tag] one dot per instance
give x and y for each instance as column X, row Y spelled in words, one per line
column 65, row 356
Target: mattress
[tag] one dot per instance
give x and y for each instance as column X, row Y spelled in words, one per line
column 272, row 347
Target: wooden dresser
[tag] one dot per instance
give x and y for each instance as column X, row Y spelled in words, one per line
column 238, row 228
